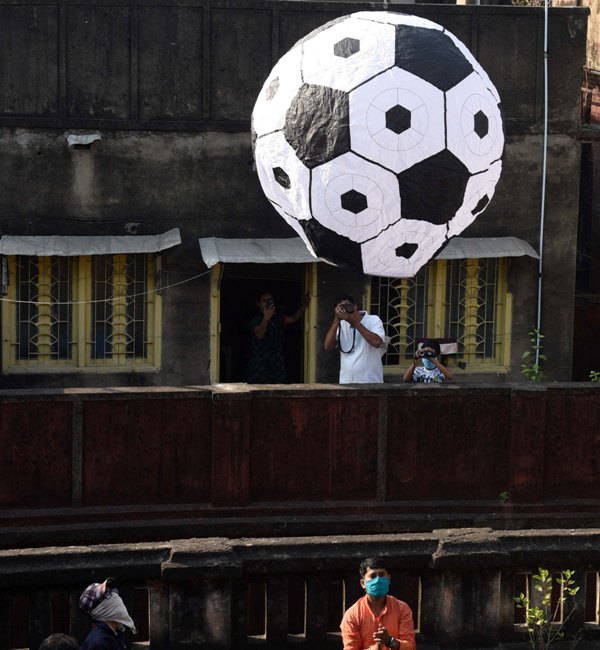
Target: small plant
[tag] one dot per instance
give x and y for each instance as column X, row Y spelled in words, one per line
column 504, row 496
column 542, row 617
column 595, row 376
column 531, row 367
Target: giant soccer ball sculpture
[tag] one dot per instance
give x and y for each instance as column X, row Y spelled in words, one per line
column 377, row 138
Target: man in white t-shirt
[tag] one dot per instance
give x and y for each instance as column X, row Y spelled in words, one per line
column 360, row 338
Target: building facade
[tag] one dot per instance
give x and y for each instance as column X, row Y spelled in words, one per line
column 125, row 139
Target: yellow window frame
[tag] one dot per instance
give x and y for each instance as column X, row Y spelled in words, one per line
column 310, row 323
column 81, row 321
column 434, row 311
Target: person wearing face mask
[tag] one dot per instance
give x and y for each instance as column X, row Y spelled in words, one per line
column 102, row 603
column 427, row 367
column 377, row 620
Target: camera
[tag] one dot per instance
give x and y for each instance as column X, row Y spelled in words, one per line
column 425, row 353
column 348, row 307
column 269, row 303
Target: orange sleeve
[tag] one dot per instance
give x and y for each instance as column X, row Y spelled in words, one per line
column 350, row 632
column 406, row 635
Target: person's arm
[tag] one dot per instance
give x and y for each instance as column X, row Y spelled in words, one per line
column 330, row 342
column 261, row 329
column 355, row 319
column 448, row 374
column 408, row 375
column 406, row 629
column 351, row 635
column 297, row 315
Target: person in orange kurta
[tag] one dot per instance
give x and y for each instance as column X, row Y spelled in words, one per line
column 377, row 620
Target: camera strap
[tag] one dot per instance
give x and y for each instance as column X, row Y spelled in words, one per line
column 340, row 339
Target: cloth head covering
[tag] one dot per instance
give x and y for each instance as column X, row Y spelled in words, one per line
column 101, row 601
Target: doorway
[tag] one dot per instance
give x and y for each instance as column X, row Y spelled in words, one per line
column 240, row 288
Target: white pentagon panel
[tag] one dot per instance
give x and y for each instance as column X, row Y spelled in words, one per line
column 284, row 179
column 354, row 198
column 380, row 255
column 348, row 53
column 476, row 66
column 478, row 193
column 475, row 133
column 295, row 224
column 392, row 18
column 372, row 133
column 276, row 94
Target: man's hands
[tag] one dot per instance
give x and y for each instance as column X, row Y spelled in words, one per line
column 382, row 636
column 353, row 317
column 269, row 312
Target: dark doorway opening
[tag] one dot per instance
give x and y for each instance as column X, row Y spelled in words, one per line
column 241, row 285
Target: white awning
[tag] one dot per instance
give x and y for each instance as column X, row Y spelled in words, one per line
column 68, row 245
column 293, row 250
column 460, row 248
column 259, row 251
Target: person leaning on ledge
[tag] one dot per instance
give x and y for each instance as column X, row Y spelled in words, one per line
column 426, row 367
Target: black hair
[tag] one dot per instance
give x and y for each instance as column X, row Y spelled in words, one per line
column 372, row 563
column 434, row 344
column 260, row 294
column 344, row 298
column 59, row 642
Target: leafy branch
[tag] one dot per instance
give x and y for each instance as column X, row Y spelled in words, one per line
column 543, row 620
column 531, row 366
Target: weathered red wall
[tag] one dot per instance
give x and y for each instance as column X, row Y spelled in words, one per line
column 317, row 448
column 146, row 451
column 240, row 454
column 448, row 445
column 35, row 453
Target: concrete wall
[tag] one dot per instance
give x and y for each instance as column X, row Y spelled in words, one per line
column 173, row 110
column 593, row 38
column 221, row 594
column 84, row 466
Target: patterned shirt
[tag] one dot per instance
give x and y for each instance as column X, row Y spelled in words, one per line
column 423, row 376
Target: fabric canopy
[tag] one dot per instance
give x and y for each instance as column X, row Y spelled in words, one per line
column 67, row 245
column 293, row 250
column 259, row 251
column 460, row 248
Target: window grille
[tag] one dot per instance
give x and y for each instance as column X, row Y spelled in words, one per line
column 120, row 307
column 44, row 323
column 84, row 312
column 464, row 300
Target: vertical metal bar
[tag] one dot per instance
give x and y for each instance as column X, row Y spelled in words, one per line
column 4, row 618
column 382, row 431
column 62, row 60
column 77, row 452
column 40, row 617
column 134, row 64
column 316, row 619
column 277, row 611
column 80, row 623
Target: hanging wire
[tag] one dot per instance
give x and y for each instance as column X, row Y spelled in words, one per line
column 90, row 302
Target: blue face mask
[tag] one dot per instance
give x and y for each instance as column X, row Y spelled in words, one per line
column 378, row 587
column 428, row 364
